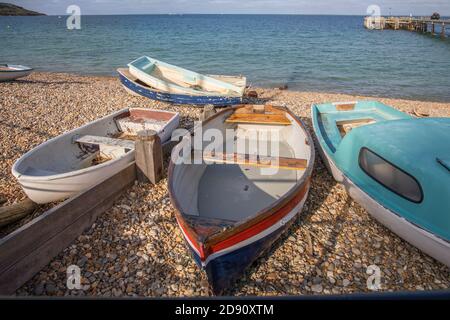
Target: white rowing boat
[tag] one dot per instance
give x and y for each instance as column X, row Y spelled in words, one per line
column 78, row 159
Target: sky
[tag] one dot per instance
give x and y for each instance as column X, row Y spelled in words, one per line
column 340, row 7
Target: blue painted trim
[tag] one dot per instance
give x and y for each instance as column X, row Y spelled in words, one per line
column 225, row 270
column 178, row 98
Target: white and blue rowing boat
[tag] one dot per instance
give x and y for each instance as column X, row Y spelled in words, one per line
column 161, row 81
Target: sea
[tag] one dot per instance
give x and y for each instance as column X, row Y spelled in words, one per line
column 304, row 52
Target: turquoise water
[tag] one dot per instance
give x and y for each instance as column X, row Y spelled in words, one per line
column 311, row 53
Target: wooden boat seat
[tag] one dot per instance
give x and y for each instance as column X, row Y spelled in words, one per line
column 259, row 115
column 260, row 161
column 105, row 142
column 345, row 106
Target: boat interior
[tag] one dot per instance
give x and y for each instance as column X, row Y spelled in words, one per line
column 98, row 142
column 336, row 120
column 239, row 182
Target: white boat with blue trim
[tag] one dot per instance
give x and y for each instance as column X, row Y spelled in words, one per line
column 162, row 81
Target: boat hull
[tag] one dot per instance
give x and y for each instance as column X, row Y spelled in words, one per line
column 46, row 191
column 434, row 246
column 133, row 87
column 225, row 268
column 10, row 75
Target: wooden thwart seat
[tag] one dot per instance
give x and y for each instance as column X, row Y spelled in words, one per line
column 256, row 160
column 105, row 142
column 274, row 119
column 345, row 106
column 259, row 115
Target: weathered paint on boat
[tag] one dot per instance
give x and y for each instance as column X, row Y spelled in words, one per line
column 60, row 167
column 412, row 146
column 9, row 72
column 133, row 86
column 175, row 80
column 234, row 219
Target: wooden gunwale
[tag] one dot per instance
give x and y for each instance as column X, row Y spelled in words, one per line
column 205, row 242
column 258, row 224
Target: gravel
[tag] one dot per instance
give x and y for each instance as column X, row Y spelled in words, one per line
column 136, row 248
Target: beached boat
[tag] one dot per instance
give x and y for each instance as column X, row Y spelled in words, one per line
column 9, row 72
column 79, row 159
column 235, row 203
column 395, row 166
column 185, row 84
column 136, row 87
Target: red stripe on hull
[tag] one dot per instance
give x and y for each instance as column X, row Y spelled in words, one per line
column 261, row 226
column 191, row 239
column 249, row 232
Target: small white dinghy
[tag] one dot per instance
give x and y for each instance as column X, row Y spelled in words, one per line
column 9, row 72
column 79, row 159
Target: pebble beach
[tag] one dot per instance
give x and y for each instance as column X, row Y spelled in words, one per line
column 136, row 249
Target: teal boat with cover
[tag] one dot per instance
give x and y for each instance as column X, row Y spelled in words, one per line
column 396, row 166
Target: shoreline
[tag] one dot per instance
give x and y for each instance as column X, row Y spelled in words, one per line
column 136, row 248
column 273, row 87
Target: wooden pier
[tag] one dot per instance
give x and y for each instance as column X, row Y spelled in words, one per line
column 423, row 25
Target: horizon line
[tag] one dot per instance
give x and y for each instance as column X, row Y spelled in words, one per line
column 237, row 14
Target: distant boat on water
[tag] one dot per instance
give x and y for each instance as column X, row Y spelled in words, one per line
column 397, row 167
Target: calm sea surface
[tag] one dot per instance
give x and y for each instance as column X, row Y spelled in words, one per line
column 315, row 53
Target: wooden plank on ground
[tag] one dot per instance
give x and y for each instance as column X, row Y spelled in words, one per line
column 16, row 211
column 258, row 161
column 27, row 250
